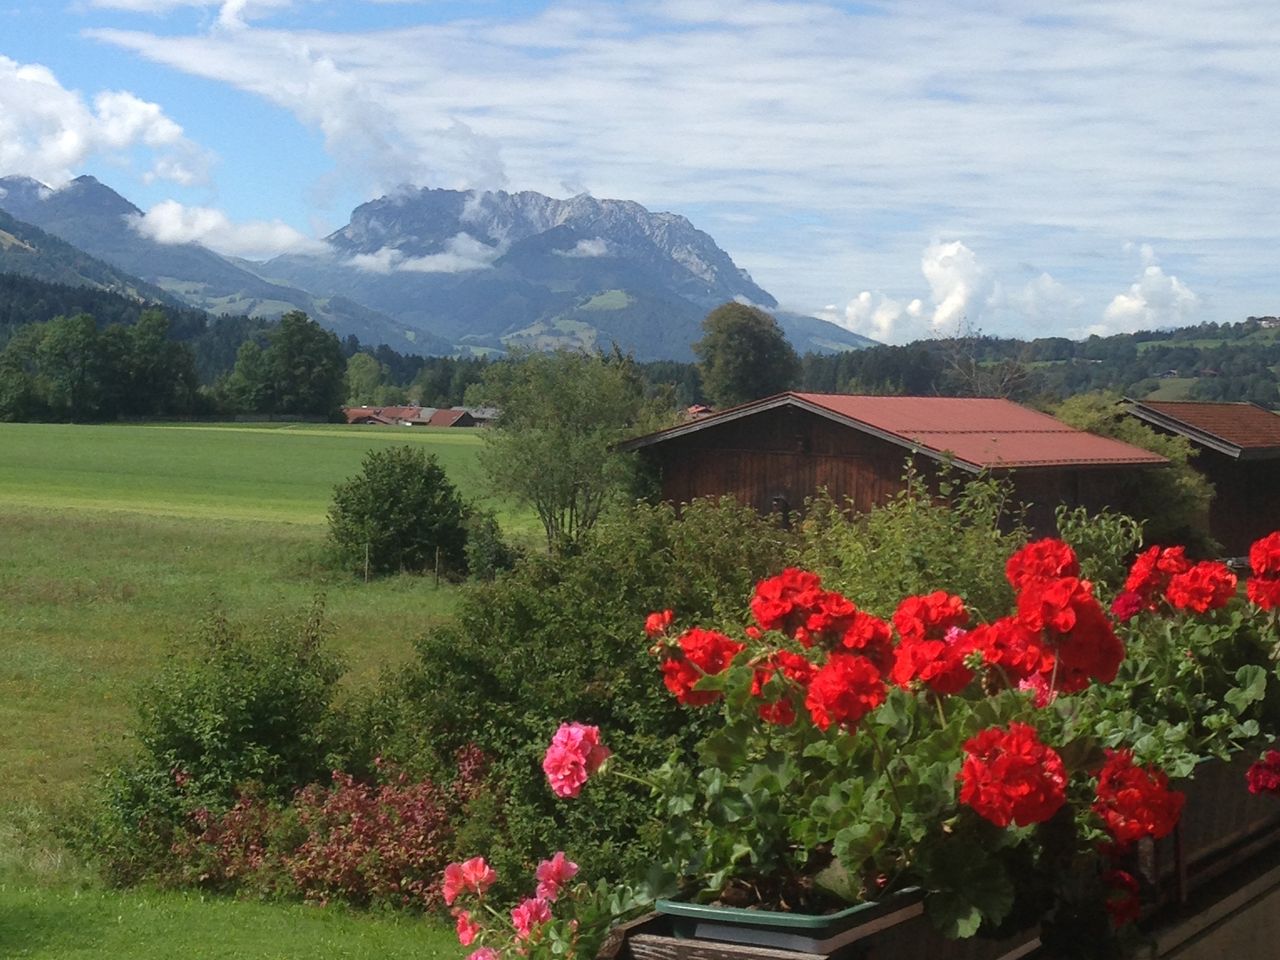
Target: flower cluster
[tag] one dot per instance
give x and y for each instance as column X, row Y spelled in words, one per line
column 1264, row 776
column 1263, row 587
column 842, row 727
column 574, row 755
column 1134, row 802
column 697, row 653
column 1166, row 573
column 1009, row 776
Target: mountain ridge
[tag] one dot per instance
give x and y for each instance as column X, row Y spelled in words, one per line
column 430, row 270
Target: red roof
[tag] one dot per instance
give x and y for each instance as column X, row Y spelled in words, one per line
column 447, row 418
column 976, row 432
column 1236, row 427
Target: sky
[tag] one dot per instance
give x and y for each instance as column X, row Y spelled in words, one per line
column 905, row 169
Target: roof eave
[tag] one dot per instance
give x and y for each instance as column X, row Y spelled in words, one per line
column 1205, row 439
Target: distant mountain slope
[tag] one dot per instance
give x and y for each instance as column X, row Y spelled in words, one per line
column 497, row 269
column 26, row 250
column 434, row 271
column 95, row 218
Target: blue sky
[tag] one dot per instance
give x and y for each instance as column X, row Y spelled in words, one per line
column 1022, row 167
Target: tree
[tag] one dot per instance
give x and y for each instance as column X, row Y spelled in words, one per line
column 552, row 446
column 744, row 355
column 306, row 367
column 1172, row 502
column 403, row 509
column 363, row 378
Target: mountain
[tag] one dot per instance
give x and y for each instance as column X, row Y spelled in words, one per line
column 28, row 251
column 497, row 269
column 438, row 271
column 96, row 219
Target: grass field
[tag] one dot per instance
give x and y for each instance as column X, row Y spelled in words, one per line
column 114, row 541
column 52, row 923
column 275, row 472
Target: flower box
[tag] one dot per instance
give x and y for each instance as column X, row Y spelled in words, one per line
column 808, row 933
column 894, row 937
column 1222, row 825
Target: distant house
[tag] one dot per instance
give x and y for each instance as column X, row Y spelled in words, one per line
column 774, row 453
column 451, row 418
column 482, row 416
column 1238, row 448
column 368, row 415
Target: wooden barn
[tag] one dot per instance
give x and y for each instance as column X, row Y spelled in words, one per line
column 1238, row 451
column 776, row 452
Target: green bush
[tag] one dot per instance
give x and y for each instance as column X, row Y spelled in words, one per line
column 955, row 539
column 487, row 551
column 243, row 707
column 399, row 513
column 561, row 638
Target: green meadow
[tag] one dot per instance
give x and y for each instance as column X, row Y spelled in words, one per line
column 115, row 541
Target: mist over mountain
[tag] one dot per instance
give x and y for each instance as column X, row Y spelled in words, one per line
column 441, row 271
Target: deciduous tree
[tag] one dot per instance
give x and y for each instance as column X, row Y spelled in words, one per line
column 744, row 355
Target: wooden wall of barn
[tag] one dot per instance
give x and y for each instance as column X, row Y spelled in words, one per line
column 785, row 455
column 1246, row 499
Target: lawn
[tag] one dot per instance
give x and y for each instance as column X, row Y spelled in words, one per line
column 55, row 923
column 114, row 542
column 275, row 472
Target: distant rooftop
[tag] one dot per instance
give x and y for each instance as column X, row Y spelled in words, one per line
column 1242, row 430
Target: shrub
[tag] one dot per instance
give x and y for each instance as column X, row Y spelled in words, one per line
column 487, row 553
column 399, row 513
column 918, row 542
column 244, row 706
column 381, row 844
column 560, row 637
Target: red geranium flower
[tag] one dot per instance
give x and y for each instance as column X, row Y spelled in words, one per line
column 1264, row 592
column 1075, row 629
column 941, row 665
column 1046, row 559
column 794, row 667
column 1264, row 776
column 1264, row 556
column 1009, row 646
column 1135, row 802
column 656, row 623
column 784, row 602
column 843, row 690
column 1009, row 776
column 1122, row 897
column 1151, row 571
column 1127, row 605
column 1206, row 586
column 872, row 638
column 929, row 616
column 702, row 653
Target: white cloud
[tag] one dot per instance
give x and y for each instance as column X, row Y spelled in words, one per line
column 955, row 280
column 1050, row 133
column 49, row 132
column 591, row 247
column 170, row 222
column 1155, row 299
column 461, row 254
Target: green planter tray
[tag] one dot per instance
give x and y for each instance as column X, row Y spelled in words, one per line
column 809, row 933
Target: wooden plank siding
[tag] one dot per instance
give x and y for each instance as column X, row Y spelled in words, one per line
column 792, row 454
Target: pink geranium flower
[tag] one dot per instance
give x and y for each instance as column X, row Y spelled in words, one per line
column 467, row 929
column 553, row 874
column 484, row 953
column 473, row 876
column 574, row 755
column 531, row 913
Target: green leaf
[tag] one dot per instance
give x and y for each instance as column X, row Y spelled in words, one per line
column 1252, row 687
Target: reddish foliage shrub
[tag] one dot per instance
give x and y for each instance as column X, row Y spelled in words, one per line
column 353, row 841
column 386, row 843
